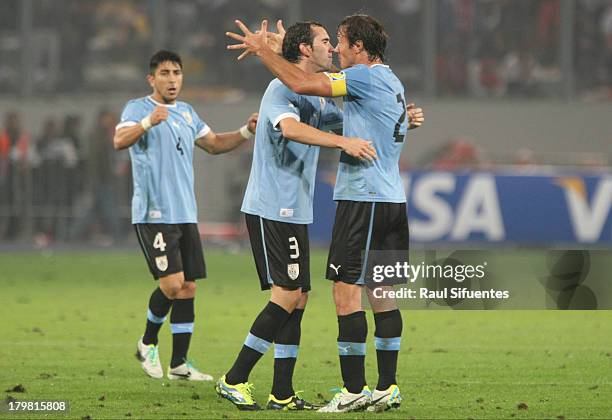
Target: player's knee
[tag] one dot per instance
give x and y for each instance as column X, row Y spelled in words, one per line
column 172, row 288
column 188, row 286
column 347, row 304
column 187, row 290
column 293, row 298
column 381, row 304
column 347, row 298
column 344, row 307
column 288, row 299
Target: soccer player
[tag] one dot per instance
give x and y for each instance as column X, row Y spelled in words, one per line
column 371, row 213
column 161, row 133
column 278, row 208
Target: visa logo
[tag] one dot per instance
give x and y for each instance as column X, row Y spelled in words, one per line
column 588, row 216
column 477, row 209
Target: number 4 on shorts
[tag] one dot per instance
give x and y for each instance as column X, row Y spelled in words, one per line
column 158, row 242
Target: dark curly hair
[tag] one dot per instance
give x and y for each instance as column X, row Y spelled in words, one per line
column 298, row 33
column 368, row 30
column 161, row 57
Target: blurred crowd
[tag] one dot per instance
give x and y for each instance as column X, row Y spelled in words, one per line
column 512, row 48
column 484, row 47
column 63, row 181
column 63, row 185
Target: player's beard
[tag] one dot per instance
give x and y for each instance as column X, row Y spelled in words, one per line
column 328, row 66
column 168, row 98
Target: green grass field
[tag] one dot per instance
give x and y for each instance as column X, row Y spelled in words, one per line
column 70, row 322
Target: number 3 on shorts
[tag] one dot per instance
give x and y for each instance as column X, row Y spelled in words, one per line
column 293, row 246
column 158, row 242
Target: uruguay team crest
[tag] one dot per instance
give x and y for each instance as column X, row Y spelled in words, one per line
column 293, row 270
column 162, row 262
column 336, row 76
column 187, row 117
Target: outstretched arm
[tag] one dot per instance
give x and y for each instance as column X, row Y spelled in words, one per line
column 296, row 79
column 216, row 143
column 303, row 133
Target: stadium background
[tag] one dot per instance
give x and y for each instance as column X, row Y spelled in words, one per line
column 517, row 98
column 520, row 87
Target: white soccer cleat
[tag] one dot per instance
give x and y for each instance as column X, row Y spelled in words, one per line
column 385, row 400
column 188, row 372
column 344, row 401
column 149, row 359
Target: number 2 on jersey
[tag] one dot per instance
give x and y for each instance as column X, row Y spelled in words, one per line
column 396, row 133
column 158, row 242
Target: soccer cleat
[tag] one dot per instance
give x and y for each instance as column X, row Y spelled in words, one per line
column 344, row 401
column 292, row 403
column 188, row 372
column 149, row 359
column 385, row 400
column 241, row 395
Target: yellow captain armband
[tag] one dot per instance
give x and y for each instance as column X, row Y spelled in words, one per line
column 338, row 83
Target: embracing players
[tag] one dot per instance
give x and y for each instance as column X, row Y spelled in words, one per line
column 278, row 208
column 371, row 213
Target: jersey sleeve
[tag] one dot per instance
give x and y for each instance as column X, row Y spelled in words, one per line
column 281, row 103
column 132, row 114
column 332, row 116
column 353, row 81
column 202, row 129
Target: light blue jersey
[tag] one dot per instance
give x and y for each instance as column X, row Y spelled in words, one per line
column 162, row 163
column 282, row 180
column 375, row 110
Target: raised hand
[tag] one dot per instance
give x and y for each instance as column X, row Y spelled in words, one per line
column 159, row 114
column 251, row 43
column 252, row 122
column 275, row 40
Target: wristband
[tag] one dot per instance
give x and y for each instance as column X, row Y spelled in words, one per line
column 245, row 132
column 146, row 123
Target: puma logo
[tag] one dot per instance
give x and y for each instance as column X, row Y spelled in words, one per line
column 333, row 267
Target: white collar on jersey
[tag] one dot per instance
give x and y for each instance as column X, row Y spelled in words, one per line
column 160, row 104
column 379, row 64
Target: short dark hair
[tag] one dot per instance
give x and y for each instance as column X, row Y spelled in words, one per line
column 161, row 57
column 298, row 33
column 368, row 30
